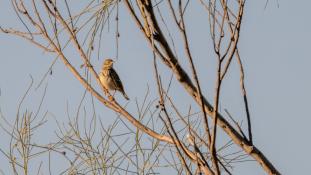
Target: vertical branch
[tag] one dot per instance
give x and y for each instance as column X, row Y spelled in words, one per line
column 217, row 43
column 214, row 131
column 235, row 35
column 182, row 28
column 177, row 142
column 250, row 135
column 117, row 31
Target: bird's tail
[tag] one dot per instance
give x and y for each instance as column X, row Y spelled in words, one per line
column 125, row 96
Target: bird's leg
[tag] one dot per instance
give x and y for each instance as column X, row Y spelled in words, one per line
column 106, row 91
column 111, row 97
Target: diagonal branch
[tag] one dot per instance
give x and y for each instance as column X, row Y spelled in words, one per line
column 183, row 78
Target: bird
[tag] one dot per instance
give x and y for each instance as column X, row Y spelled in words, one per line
column 110, row 79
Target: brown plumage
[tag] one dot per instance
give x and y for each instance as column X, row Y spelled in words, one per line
column 110, row 79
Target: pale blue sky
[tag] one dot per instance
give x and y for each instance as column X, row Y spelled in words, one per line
column 274, row 46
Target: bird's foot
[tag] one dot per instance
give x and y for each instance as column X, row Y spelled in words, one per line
column 110, row 97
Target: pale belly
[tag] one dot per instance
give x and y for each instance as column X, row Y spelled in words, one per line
column 107, row 83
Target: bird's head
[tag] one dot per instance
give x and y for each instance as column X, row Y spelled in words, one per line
column 108, row 63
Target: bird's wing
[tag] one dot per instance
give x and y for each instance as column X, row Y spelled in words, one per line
column 116, row 80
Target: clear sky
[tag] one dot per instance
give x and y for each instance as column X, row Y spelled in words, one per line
column 275, row 48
